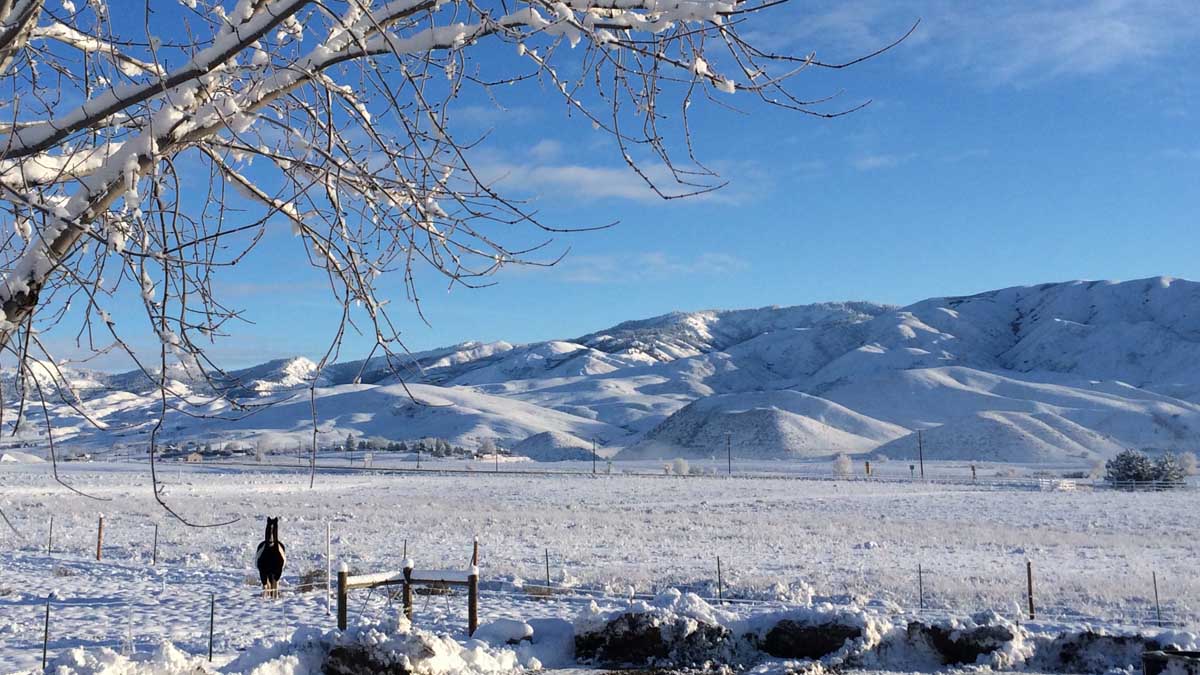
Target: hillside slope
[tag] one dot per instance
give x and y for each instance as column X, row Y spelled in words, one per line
column 1055, row 372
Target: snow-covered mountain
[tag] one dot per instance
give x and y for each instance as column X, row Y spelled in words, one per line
column 1066, row 371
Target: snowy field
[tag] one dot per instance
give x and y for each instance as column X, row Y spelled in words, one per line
column 780, row 539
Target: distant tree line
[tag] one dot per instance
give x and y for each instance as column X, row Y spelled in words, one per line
column 431, row 446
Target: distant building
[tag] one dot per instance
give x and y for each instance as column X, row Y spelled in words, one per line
column 194, row 458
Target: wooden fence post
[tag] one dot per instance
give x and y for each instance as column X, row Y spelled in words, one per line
column 343, row 575
column 154, row 555
column 1029, row 581
column 50, row 536
column 473, row 601
column 547, row 568
column 1157, row 607
column 473, row 588
column 408, row 593
column 99, row 536
column 720, row 582
column 212, row 620
column 921, row 586
column 46, row 631
column 921, row 453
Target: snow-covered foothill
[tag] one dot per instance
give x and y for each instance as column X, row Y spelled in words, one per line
column 1056, row 373
column 776, row 424
column 14, row 456
column 554, row 446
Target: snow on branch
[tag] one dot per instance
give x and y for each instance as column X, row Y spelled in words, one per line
column 173, row 140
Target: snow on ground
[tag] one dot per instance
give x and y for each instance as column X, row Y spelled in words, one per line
column 779, row 538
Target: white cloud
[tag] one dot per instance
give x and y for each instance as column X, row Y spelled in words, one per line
column 641, row 267
column 1002, row 43
column 491, row 115
column 546, row 149
column 589, row 183
column 1182, row 153
column 258, row 288
column 873, row 162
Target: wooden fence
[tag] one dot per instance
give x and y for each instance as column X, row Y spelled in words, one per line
column 408, row 578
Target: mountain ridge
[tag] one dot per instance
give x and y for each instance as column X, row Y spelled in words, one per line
column 1060, row 371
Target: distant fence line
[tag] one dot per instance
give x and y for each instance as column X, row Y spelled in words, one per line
column 1040, row 483
column 1148, row 485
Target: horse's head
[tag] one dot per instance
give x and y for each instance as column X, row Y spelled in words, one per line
column 272, row 533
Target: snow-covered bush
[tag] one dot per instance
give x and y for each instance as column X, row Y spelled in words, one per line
column 680, row 467
column 1129, row 465
column 1188, row 461
column 1134, row 466
column 1170, row 469
column 843, row 465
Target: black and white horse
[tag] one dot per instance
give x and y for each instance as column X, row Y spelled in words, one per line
column 270, row 559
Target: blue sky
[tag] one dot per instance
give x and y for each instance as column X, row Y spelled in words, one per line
column 1007, row 143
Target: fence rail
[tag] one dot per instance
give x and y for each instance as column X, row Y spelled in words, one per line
column 1031, row 482
column 1146, row 485
column 409, row 578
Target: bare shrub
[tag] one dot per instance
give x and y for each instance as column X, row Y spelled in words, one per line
column 312, row 580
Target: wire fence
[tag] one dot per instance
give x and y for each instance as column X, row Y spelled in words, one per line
column 503, row 596
column 306, row 602
column 958, row 475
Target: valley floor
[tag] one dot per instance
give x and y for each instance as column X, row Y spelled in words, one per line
column 779, row 539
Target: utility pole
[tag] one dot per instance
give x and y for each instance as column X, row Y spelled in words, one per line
column 729, row 453
column 921, row 453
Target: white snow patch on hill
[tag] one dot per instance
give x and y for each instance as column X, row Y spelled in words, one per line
column 775, row 424
column 458, row 414
column 554, row 446
column 13, row 456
